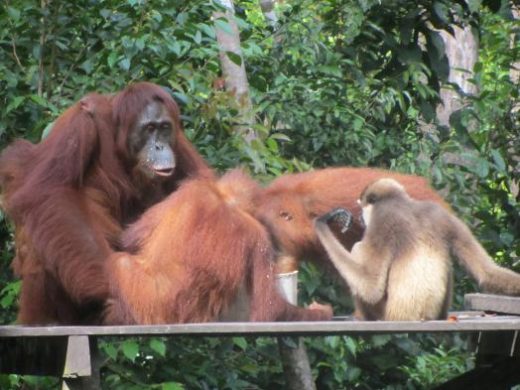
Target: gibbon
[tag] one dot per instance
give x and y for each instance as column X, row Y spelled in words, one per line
column 401, row 269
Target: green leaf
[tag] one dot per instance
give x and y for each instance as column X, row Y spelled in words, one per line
column 47, row 130
column 280, row 137
column 383, row 361
column 476, row 164
column 87, row 66
column 197, row 38
column 436, row 44
column 157, row 16
column 332, row 341
column 240, row 342
column 158, row 346
column 234, row 57
column 15, row 103
column 124, row 64
column 112, row 59
column 351, row 345
column 498, row 160
column 13, row 13
column 428, row 111
column 175, row 47
column 458, row 122
column 110, row 350
column 330, row 70
column 507, row 238
column 140, row 43
column 380, row 340
column 353, row 373
column 130, row 349
column 474, row 5
column 441, row 10
column 39, row 100
column 105, row 13
column 172, row 386
column 182, row 18
column 9, row 294
column 410, row 54
column 441, row 67
column 61, row 45
column 223, row 24
column 208, row 30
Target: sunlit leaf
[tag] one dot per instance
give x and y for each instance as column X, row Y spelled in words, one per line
column 158, row 346
column 130, row 349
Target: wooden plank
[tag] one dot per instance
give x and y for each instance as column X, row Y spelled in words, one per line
column 492, row 303
column 465, row 323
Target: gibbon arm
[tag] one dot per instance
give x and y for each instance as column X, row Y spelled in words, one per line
column 365, row 274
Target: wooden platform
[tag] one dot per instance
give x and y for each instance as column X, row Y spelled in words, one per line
column 67, row 350
column 462, row 322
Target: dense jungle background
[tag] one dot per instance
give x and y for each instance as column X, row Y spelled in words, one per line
column 336, row 82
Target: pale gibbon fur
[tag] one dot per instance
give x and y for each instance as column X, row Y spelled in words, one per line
column 401, row 269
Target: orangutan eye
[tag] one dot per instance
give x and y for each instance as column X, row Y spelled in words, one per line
column 285, row 215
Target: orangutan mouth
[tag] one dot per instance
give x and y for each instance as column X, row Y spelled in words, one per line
column 164, row 172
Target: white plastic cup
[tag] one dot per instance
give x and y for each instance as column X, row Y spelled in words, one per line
column 288, row 286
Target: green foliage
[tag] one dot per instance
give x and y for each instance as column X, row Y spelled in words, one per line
column 484, row 134
column 334, row 83
column 187, row 363
column 432, row 368
column 351, row 78
column 9, row 287
column 28, row 382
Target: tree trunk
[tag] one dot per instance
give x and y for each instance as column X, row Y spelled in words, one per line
column 295, row 362
column 267, row 7
column 514, row 74
column 233, row 69
column 462, row 52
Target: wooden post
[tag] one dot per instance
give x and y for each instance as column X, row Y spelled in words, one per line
column 295, row 362
column 82, row 364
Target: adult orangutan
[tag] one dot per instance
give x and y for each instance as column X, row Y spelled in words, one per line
column 105, row 161
column 194, row 255
column 289, row 205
